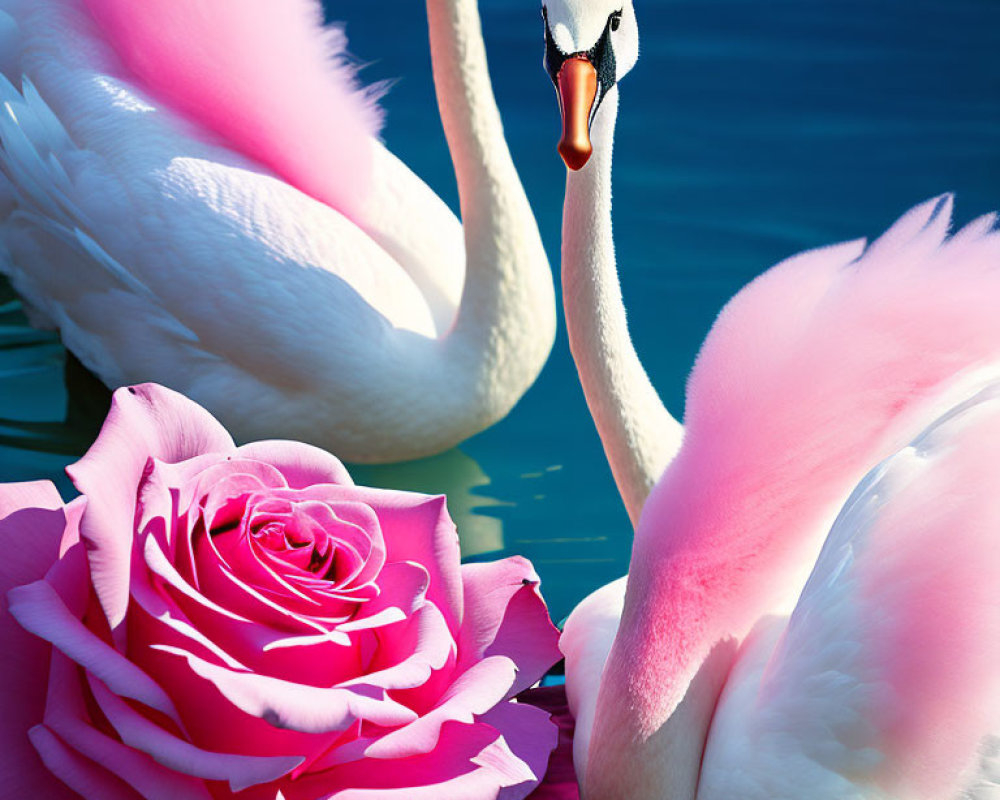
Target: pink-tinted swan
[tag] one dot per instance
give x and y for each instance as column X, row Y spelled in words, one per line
column 812, row 605
column 193, row 193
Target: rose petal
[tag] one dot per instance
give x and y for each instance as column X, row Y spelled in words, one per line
column 505, row 615
column 176, row 754
column 295, row 706
column 228, row 593
column 31, row 526
column 28, row 495
column 144, row 422
column 220, row 488
column 403, row 584
column 470, row 762
column 229, row 636
column 406, row 660
column 160, row 496
column 403, row 594
column 165, row 492
column 76, row 771
column 40, row 609
column 160, row 615
column 560, row 776
column 474, row 692
column 301, row 464
column 357, row 526
column 417, row 528
column 339, row 635
column 531, row 737
column 255, row 569
column 66, row 715
column 214, row 723
column 353, row 536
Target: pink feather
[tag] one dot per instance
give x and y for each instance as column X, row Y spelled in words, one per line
column 815, row 372
column 265, row 75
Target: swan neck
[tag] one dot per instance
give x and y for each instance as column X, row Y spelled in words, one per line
column 639, row 435
column 506, row 318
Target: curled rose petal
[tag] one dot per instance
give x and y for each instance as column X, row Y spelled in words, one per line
column 422, row 646
column 67, row 717
column 504, row 613
column 40, row 610
column 181, row 756
column 302, row 708
column 77, row 772
column 144, row 422
column 470, row 762
column 301, row 464
column 473, row 693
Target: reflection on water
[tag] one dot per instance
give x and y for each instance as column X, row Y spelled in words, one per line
column 35, row 441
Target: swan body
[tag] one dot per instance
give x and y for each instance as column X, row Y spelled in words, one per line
column 194, row 195
column 811, row 607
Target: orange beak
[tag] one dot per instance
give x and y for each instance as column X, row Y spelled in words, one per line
column 577, row 83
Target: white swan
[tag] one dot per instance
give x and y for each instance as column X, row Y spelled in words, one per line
column 873, row 368
column 370, row 321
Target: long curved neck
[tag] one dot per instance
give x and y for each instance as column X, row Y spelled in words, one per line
column 507, row 311
column 640, row 436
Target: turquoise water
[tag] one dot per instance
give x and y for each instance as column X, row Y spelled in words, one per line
column 749, row 130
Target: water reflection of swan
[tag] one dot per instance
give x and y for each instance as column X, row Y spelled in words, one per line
column 193, row 195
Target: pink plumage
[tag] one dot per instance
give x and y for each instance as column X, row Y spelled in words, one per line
column 816, row 371
column 813, row 374
column 264, row 75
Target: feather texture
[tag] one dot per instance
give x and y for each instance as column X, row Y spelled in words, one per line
column 883, row 683
column 268, row 77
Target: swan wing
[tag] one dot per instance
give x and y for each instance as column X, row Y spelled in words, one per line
column 272, row 80
column 47, row 224
column 885, row 682
column 813, row 374
column 161, row 254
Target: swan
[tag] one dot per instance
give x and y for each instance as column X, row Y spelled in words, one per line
column 195, row 194
column 811, row 607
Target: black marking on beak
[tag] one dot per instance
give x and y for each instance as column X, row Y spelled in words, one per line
column 601, row 55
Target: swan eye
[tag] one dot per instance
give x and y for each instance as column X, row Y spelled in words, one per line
column 615, row 20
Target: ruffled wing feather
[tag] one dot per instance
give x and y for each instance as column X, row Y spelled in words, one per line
column 885, row 682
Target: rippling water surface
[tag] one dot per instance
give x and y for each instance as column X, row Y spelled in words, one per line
column 749, row 130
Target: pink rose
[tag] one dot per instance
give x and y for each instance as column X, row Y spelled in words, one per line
column 211, row 621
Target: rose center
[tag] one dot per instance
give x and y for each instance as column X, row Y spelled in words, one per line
column 294, row 541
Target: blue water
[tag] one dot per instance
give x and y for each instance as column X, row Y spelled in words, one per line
column 749, row 130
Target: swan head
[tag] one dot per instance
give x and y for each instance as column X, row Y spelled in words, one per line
column 589, row 46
